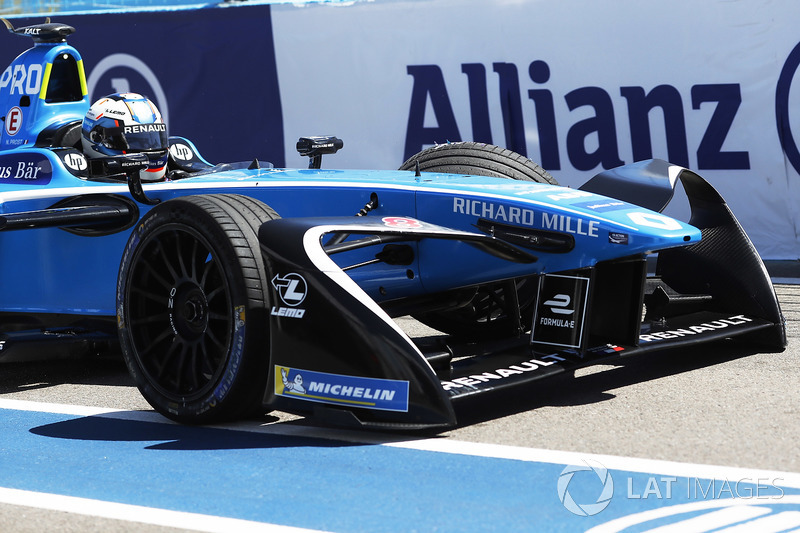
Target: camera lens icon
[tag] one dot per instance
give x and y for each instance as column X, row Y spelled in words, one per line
column 591, row 508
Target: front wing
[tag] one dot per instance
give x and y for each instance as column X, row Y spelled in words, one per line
column 336, row 354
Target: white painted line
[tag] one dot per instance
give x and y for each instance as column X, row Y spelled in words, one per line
column 55, row 408
column 448, row 445
column 139, row 514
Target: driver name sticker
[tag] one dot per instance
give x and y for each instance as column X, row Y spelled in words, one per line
column 338, row 389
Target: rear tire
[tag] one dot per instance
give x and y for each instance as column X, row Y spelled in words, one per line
column 191, row 307
column 486, row 315
column 478, row 159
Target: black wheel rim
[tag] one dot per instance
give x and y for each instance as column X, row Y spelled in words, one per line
column 179, row 312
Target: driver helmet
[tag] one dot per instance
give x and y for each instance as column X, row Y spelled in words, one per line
column 126, row 123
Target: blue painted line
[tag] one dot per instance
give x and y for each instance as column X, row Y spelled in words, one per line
column 322, row 484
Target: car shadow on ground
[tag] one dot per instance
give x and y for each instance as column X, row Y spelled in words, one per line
column 163, row 435
column 31, row 375
column 593, row 387
column 157, row 434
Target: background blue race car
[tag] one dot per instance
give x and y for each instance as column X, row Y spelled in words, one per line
column 239, row 287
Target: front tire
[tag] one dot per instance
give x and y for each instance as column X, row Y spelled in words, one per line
column 191, row 307
column 486, row 315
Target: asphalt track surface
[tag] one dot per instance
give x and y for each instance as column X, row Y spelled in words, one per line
column 82, row 451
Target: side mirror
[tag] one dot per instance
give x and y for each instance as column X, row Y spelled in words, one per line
column 127, row 165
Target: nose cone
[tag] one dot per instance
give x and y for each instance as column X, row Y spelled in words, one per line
column 614, row 226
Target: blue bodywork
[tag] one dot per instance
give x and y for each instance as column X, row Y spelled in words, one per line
column 67, row 273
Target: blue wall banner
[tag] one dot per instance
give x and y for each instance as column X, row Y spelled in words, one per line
column 211, row 72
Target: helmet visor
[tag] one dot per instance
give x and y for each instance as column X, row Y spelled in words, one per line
column 136, row 137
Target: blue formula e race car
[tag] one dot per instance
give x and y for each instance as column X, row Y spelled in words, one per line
column 237, row 288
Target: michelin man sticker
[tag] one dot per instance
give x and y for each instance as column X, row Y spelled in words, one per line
column 296, row 385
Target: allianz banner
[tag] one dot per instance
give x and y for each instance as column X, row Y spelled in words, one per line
column 211, row 72
column 578, row 86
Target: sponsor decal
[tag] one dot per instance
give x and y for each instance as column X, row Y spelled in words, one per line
column 145, row 128
column 75, row 161
column 292, row 290
column 568, row 224
column 601, row 206
column 181, row 152
column 473, row 380
column 238, row 317
column 617, row 238
column 401, row 222
column 697, row 329
column 608, row 349
column 25, row 168
column 560, row 311
column 22, row 79
column 503, row 213
column 339, row 389
column 521, row 216
column 653, row 220
column 13, row 121
column 287, row 312
column 569, row 195
column 558, row 304
column 235, row 358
